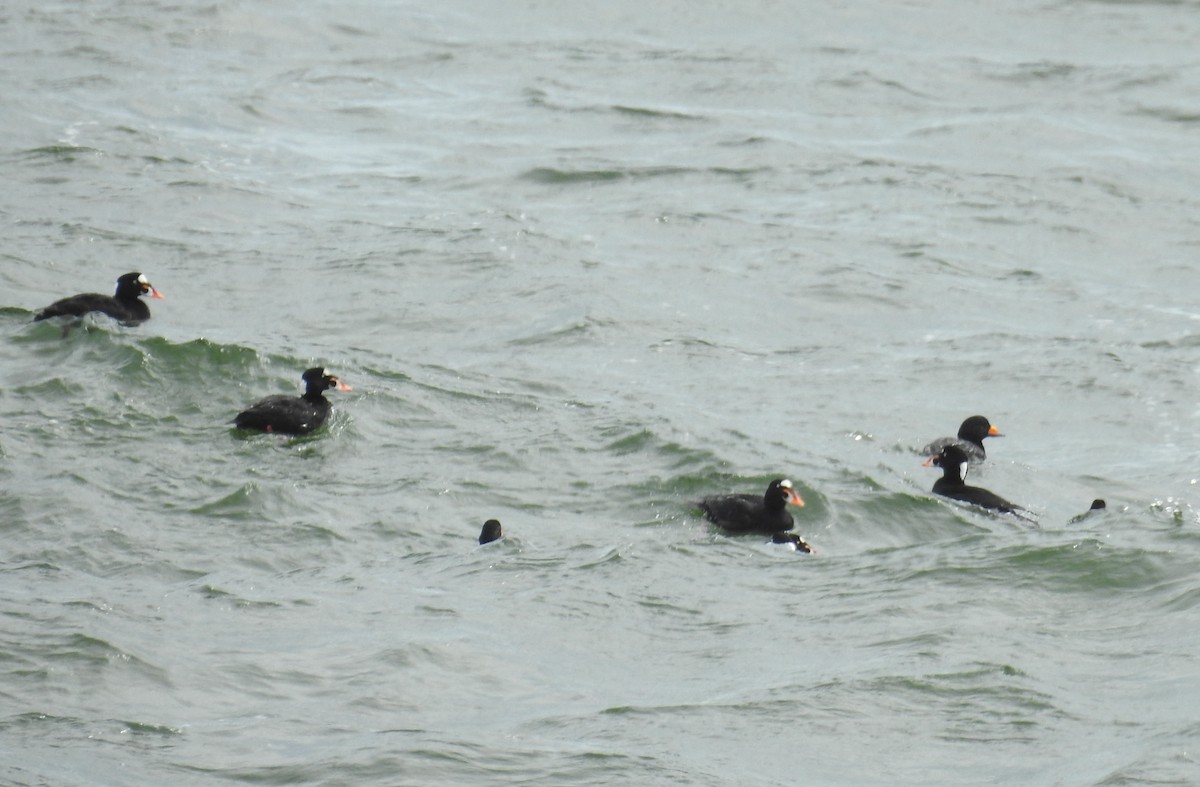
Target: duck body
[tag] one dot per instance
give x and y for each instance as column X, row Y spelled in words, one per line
column 285, row 414
column 293, row 414
column 971, row 434
column 951, row 484
column 126, row 306
column 745, row 513
column 975, row 495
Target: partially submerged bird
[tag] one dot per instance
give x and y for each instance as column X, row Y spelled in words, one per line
column 125, row 306
column 491, row 531
column 1098, row 506
column 293, row 414
column 951, row 459
column 970, row 439
column 794, row 541
column 742, row 513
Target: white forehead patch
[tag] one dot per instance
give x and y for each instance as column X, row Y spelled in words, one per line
column 786, row 484
column 142, row 279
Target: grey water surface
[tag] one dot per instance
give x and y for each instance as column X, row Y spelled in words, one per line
column 582, row 264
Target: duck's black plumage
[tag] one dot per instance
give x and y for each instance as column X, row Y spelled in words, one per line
column 125, row 306
column 766, row 513
column 293, row 414
column 951, row 484
column 491, row 531
column 970, row 439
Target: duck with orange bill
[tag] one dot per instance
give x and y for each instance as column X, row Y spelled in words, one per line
column 125, row 306
column 746, row 513
column 293, row 414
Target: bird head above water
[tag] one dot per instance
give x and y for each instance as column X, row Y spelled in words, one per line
column 134, row 285
column 317, row 381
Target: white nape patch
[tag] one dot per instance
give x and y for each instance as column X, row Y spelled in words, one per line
column 142, row 279
column 962, row 471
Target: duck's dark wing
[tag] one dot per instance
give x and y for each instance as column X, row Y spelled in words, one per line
column 130, row 312
column 733, row 512
column 77, row 306
column 988, row 499
column 976, row 495
column 279, row 413
column 744, row 514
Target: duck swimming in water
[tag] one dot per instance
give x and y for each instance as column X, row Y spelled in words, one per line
column 951, row 459
column 743, row 513
column 125, row 306
column 293, row 414
column 793, row 541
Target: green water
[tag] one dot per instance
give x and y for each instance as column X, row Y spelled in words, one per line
column 582, row 266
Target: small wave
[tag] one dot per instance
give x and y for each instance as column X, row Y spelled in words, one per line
column 86, row 651
column 985, row 702
column 64, row 153
column 41, row 720
column 15, row 314
column 234, row 600
column 560, row 177
column 1023, row 73
column 1171, row 114
column 574, row 332
column 243, row 502
column 147, row 728
column 1089, row 566
column 1183, row 600
column 653, row 113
